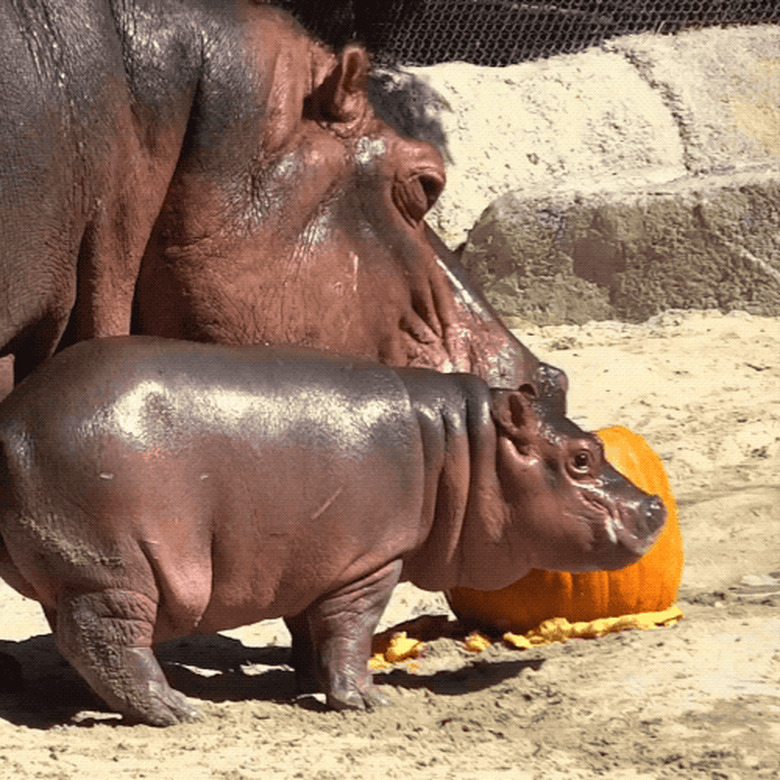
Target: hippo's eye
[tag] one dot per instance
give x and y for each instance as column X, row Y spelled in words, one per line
column 417, row 203
column 432, row 184
column 415, row 195
column 581, row 463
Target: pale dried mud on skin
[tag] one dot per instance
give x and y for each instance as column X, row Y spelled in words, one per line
column 700, row 699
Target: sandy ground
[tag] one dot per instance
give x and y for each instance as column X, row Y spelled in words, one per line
column 701, row 699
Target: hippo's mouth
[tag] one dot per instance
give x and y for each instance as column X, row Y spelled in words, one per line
column 619, row 534
column 648, row 524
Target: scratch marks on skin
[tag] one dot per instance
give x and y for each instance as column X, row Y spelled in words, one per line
column 482, row 345
column 355, row 263
column 325, row 506
column 350, row 281
column 474, row 307
column 610, row 526
column 317, row 231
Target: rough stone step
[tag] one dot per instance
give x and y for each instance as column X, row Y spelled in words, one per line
column 573, row 254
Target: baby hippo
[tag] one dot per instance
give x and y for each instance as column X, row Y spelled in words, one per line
column 152, row 488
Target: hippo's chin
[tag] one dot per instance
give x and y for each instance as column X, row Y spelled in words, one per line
column 634, row 544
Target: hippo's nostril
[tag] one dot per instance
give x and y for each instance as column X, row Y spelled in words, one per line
column 655, row 514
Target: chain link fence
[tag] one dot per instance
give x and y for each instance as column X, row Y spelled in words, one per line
column 500, row 32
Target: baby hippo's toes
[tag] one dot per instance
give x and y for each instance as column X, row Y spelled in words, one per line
column 365, row 698
column 373, row 697
column 168, row 707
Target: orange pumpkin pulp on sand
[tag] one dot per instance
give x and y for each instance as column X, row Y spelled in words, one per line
column 648, row 585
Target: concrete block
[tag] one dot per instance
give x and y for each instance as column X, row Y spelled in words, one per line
column 575, row 254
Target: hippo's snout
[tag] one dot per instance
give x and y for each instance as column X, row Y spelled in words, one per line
column 655, row 514
column 649, row 521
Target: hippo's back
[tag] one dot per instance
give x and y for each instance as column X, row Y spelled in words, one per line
column 149, row 391
column 124, row 420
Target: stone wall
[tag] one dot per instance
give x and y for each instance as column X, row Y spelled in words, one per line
column 636, row 177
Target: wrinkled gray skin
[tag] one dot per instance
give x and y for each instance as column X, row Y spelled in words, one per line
column 155, row 488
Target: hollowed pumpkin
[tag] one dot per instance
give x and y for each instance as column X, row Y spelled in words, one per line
column 648, row 585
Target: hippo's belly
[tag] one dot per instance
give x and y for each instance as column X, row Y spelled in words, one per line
column 307, row 524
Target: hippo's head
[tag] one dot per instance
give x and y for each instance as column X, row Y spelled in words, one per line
column 572, row 509
column 300, row 219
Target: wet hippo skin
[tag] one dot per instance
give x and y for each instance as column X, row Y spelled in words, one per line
column 156, row 488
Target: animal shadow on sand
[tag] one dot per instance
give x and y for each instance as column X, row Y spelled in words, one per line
column 218, row 669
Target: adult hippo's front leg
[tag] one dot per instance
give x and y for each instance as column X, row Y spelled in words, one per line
column 107, row 638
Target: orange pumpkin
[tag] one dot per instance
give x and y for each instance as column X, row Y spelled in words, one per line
column 648, row 585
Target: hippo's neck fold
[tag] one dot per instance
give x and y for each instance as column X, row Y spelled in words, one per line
column 465, row 518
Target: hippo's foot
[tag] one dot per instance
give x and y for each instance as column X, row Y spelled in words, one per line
column 351, row 695
column 106, row 636
column 340, row 629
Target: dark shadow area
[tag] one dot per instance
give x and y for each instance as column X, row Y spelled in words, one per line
column 50, row 691
column 426, row 628
column 218, row 669
column 219, row 653
column 475, row 676
column 214, row 668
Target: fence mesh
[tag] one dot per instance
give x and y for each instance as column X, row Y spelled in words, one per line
column 500, row 32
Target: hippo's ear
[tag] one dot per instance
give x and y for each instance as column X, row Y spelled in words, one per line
column 345, row 97
column 513, row 411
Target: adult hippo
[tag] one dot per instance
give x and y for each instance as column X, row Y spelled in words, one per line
column 154, row 488
column 206, row 170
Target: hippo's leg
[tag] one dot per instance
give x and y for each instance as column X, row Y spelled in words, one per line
column 107, row 637
column 341, row 627
column 304, row 656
